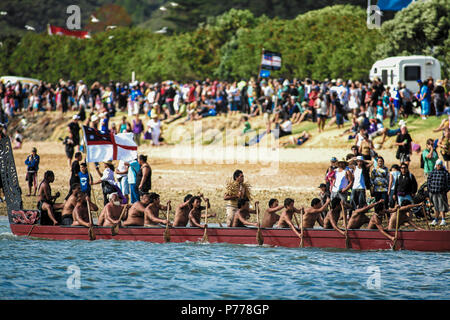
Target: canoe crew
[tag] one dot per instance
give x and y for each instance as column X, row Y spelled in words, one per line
column 405, row 217
column 286, row 216
column 151, row 213
column 111, row 212
column 69, row 205
column 241, row 216
column 313, row 214
column 332, row 217
column 377, row 219
column 195, row 214
column 182, row 212
column 359, row 218
column 235, row 189
column 136, row 212
column 81, row 212
column 46, row 201
column 270, row 216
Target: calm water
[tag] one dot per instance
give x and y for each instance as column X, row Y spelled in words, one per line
column 44, row 269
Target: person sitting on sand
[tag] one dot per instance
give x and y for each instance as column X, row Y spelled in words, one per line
column 135, row 216
column 182, row 212
column 404, row 215
column 151, row 213
column 359, row 218
column 270, row 216
column 195, row 214
column 81, row 212
column 46, row 201
column 286, row 216
column 241, row 216
column 69, row 205
column 314, row 213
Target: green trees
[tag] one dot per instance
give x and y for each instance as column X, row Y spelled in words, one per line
column 421, row 28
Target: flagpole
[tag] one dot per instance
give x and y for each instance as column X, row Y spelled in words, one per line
column 87, row 168
column 260, row 66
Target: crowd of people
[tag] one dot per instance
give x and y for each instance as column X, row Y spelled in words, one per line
column 282, row 102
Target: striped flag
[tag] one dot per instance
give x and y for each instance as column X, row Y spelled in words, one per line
column 271, row 60
column 102, row 147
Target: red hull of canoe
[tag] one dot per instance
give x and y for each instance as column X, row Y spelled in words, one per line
column 359, row 239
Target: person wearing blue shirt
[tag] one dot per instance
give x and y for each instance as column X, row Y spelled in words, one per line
column 133, row 169
column 85, row 179
column 425, row 99
column 32, row 163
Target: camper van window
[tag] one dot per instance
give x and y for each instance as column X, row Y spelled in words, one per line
column 412, row 73
column 384, row 76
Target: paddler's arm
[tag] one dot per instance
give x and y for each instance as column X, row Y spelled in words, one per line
column 193, row 220
column 92, row 205
column 274, row 209
column 291, row 225
column 245, row 222
column 148, row 212
column 335, row 227
column 380, row 228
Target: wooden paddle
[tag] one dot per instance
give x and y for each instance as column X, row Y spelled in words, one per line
column 301, row 227
column 91, row 228
column 344, row 215
column 115, row 227
column 298, row 227
column 167, row 231
column 205, row 233
column 425, row 215
column 396, row 230
column 259, row 236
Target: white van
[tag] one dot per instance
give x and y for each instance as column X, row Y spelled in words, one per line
column 406, row 69
column 13, row 79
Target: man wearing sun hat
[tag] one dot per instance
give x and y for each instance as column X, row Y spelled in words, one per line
column 438, row 186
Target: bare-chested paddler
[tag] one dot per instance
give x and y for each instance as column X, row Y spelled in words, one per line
column 111, row 212
column 46, row 201
column 359, row 218
column 69, row 205
column 286, row 216
column 81, row 212
column 182, row 212
column 135, row 216
column 313, row 214
column 270, row 216
column 405, row 217
column 151, row 213
column 242, row 215
column 195, row 214
column 332, row 217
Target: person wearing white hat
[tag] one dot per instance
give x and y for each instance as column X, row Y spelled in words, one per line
column 360, row 183
column 438, row 186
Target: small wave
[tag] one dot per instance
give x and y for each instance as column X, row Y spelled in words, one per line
column 8, row 236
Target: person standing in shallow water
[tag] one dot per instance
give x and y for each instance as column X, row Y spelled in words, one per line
column 235, row 189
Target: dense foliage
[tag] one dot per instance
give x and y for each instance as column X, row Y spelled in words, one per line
column 421, row 28
column 327, row 43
